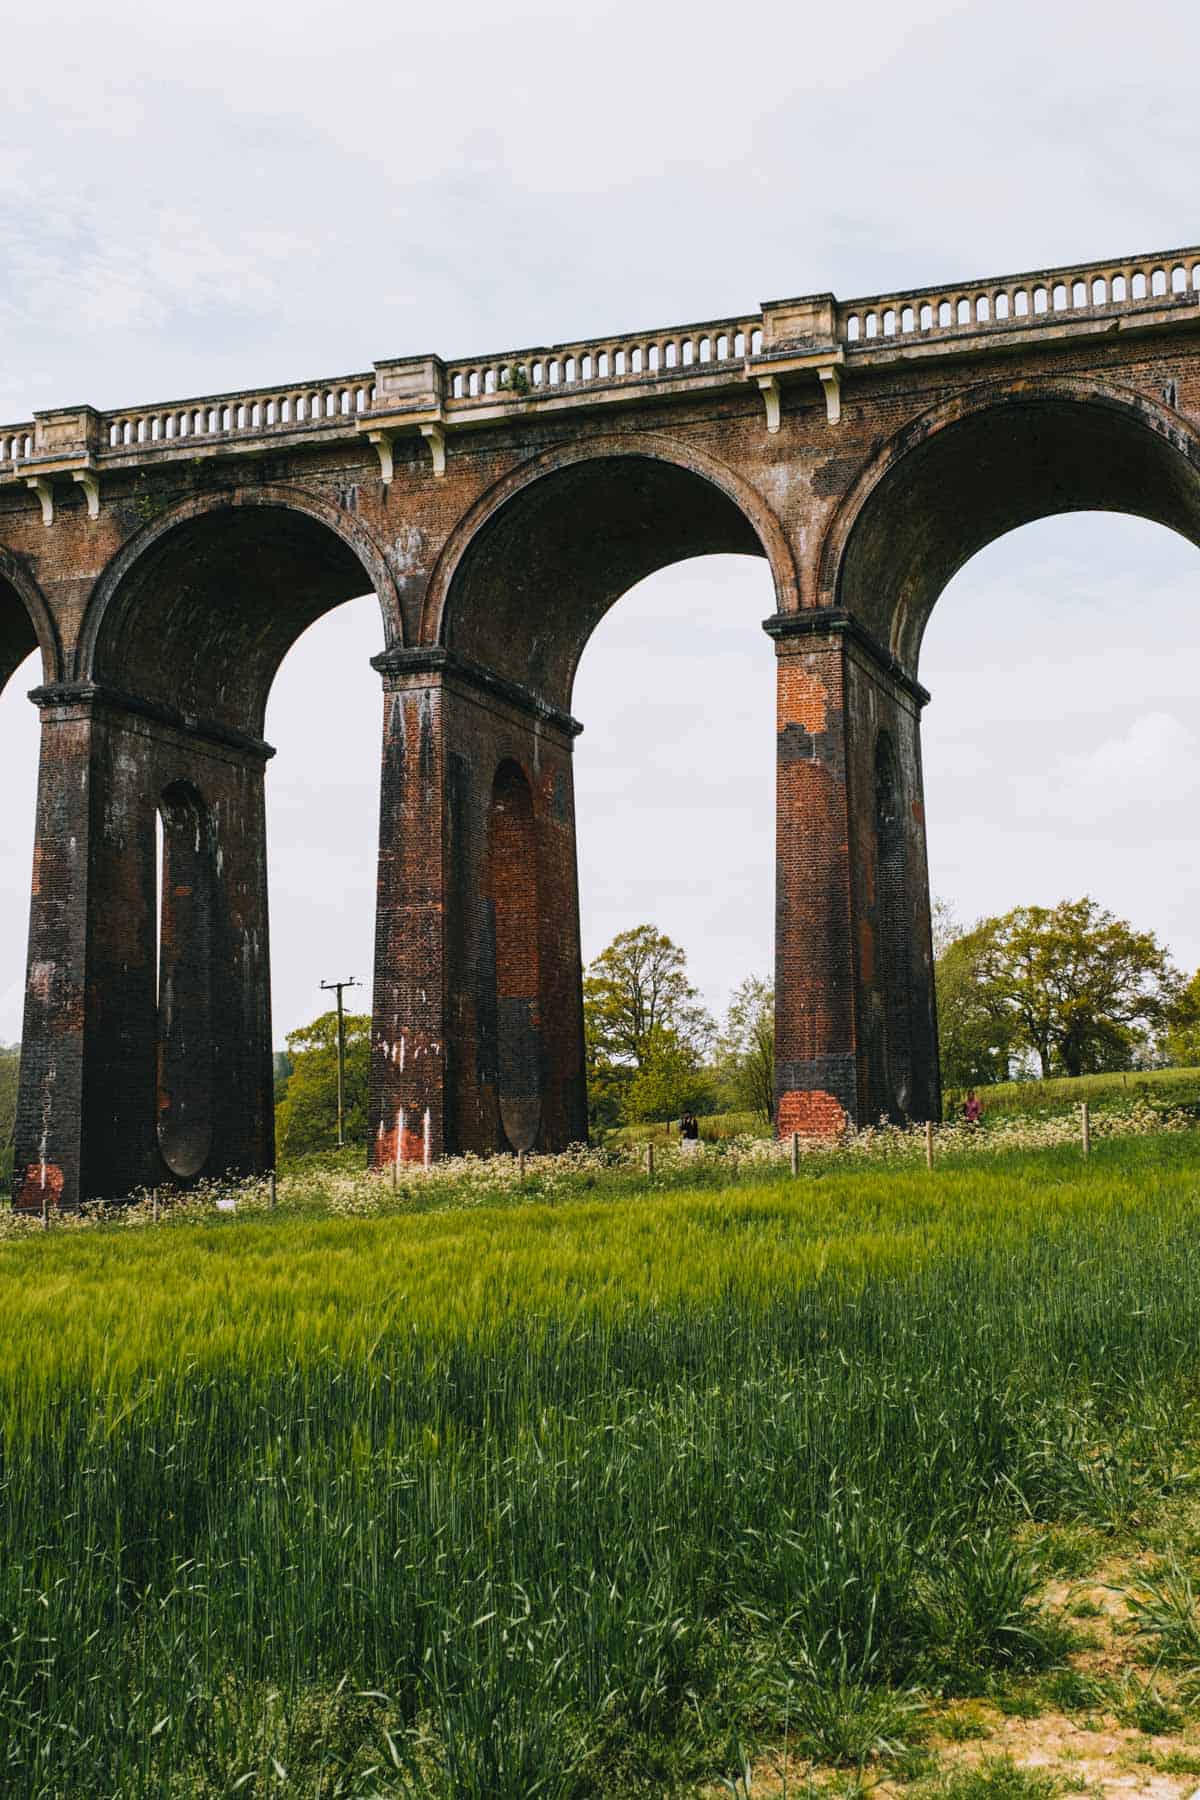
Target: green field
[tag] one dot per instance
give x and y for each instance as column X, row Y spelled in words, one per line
column 1006, row 1099
column 1002, row 1100
column 586, row 1495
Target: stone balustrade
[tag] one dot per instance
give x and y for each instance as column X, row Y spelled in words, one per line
column 815, row 332
column 1015, row 302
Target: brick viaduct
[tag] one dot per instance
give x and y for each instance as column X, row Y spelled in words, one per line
column 163, row 560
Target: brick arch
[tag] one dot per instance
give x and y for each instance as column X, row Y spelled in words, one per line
column 991, row 460
column 539, row 559
column 198, row 609
column 25, row 623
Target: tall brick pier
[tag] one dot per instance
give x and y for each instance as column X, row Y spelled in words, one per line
column 164, row 559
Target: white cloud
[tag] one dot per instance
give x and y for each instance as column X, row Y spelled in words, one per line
column 1156, row 759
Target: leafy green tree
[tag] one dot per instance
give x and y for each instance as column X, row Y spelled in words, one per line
column 745, row 1051
column 669, row 1082
column 636, row 990
column 281, row 1066
column 10, row 1066
column 976, row 1032
column 1182, row 1043
column 1078, row 987
column 306, row 1117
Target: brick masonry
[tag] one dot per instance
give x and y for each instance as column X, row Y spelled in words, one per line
column 164, row 584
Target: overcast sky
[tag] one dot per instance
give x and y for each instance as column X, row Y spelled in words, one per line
column 198, row 199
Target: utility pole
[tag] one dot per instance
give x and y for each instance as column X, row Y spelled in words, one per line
column 330, row 987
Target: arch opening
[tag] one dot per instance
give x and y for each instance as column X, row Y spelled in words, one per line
column 192, row 624
column 1061, row 754
column 951, row 490
column 200, row 618
column 18, row 636
column 538, row 575
column 27, row 654
column 19, row 762
column 532, row 583
column 675, row 774
column 323, row 719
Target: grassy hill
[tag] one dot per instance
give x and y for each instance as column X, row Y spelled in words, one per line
column 1006, row 1099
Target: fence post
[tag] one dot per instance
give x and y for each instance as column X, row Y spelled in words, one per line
column 1086, row 1121
column 650, row 1162
column 929, row 1143
column 795, row 1153
column 154, row 1201
column 271, row 1189
column 521, row 1164
column 45, row 1212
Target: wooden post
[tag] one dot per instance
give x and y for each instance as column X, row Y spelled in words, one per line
column 650, row 1162
column 795, row 1153
column 45, row 1211
column 154, row 1202
column 271, row 1189
column 1086, row 1121
column 521, row 1165
column 929, row 1143
column 395, row 1178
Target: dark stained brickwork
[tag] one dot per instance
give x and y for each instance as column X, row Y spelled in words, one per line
column 164, row 574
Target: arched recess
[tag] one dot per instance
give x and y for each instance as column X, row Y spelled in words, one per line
column 510, row 986
column 186, row 1046
column 199, row 609
column 537, row 563
column 997, row 458
column 25, row 623
column 893, row 1025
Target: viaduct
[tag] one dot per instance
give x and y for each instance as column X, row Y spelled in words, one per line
column 163, row 559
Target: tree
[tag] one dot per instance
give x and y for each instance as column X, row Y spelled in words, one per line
column 975, row 1027
column 745, row 1052
column 639, row 1009
column 669, row 1082
column 10, row 1068
column 946, row 928
column 634, row 987
column 281, row 1069
column 306, row 1117
column 1072, row 983
column 1183, row 1025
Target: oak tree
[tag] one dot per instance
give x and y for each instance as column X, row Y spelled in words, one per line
column 1072, row 983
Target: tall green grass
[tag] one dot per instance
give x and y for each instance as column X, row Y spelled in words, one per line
column 563, row 1499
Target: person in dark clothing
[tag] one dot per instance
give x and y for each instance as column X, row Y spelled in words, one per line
column 689, row 1127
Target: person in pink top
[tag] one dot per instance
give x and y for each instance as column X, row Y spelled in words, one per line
column 972, row 1107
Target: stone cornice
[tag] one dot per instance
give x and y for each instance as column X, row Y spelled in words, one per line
column 93, row 693
column 429, row 659
column 832, row 621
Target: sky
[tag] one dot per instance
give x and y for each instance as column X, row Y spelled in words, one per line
column 197, row 199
